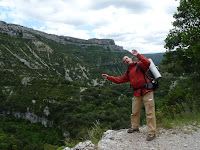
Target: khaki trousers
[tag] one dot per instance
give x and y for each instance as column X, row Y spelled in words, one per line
column 148, row 101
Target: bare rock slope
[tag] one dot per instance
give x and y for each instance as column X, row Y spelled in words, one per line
column 186, row 138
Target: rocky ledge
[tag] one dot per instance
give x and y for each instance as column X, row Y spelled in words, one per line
column 184, row 138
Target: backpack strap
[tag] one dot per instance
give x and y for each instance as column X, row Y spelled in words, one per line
column 127, row 72
column 143, row 87
column 138, row 67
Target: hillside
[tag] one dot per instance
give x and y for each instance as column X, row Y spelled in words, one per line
column 157, row 57
column 56, row 81
column 41, row 54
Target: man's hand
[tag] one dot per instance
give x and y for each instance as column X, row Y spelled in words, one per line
column 105, row 76
column 134, row 52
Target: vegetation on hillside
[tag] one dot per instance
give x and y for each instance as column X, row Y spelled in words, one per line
column 40, row 86
column 36, row 84
column 182, row 61
column 16, row 134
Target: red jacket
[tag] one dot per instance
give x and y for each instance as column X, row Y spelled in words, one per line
column 136, row 78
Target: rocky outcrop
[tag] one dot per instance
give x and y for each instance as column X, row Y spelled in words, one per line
column 183, row 138
column 172, row 139
column 87, row 145
column 28, row 33
column 33, row 118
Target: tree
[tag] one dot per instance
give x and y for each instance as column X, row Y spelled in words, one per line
column 183, row 41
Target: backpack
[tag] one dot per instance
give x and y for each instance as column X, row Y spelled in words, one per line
column 153, row 84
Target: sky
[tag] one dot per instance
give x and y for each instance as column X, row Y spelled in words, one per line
column 133, row 24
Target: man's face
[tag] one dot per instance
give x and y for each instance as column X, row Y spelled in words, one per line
column 127, row 61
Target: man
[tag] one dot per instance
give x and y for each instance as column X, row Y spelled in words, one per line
column 141, row 95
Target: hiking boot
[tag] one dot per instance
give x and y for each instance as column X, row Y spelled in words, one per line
column 150, row 137
column 132, row 130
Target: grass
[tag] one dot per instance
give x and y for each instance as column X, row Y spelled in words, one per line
column 182, row 120
column 95, row 133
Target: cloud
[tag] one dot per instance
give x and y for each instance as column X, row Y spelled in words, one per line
column 136, row 6
column 139, row 24
column 66, row 30
column 2, row 15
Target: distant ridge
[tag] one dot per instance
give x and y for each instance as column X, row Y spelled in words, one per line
column 156, row 57
column 24, row 32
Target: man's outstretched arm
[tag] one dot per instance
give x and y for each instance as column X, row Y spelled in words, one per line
column 117, row 80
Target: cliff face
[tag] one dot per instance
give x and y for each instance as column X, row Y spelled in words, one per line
column 24, row 32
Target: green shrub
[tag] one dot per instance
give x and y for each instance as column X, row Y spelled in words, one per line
column 95, row 133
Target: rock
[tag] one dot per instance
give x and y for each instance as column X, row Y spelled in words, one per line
column 87, row 145
column 116, row 140
column 25, row 81
column 67, row 148
column 165, row 140
column 121, row 140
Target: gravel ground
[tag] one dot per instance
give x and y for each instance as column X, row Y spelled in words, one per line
column 186, row 138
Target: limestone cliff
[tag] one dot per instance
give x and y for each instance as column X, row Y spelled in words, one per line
column 24, row 32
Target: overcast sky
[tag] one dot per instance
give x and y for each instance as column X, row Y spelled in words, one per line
column 133, row 24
